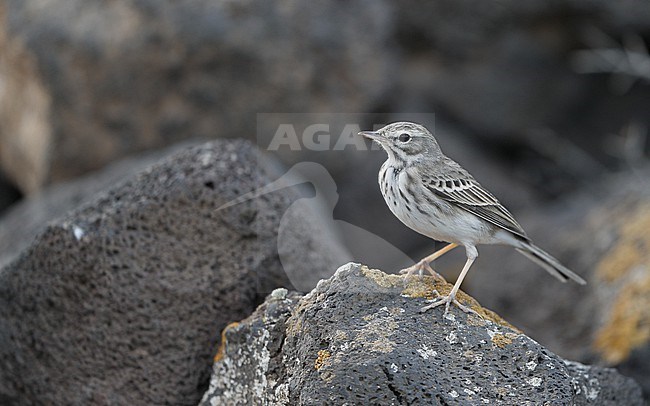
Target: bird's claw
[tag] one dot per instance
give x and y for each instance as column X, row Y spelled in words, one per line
column 419, row 268
column 447, row 301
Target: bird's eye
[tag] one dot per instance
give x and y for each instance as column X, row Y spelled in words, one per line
column 404, row 137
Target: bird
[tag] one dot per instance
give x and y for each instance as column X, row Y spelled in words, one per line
column 436, row 197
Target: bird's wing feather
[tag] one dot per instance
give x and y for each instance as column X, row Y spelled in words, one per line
column 465, row 192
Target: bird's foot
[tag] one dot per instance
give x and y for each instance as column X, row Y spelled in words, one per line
column 447, row 300
column 419, row 269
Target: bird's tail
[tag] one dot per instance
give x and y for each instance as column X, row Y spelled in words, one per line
column 546, row 261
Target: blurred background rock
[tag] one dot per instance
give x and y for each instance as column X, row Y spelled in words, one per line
column 546, row 102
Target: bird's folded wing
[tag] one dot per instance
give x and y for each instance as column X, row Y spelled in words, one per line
column 469, row 195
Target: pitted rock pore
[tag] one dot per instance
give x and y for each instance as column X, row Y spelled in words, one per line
column 358, row 338
column 120, row 302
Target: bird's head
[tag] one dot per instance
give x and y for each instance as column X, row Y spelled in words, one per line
column 405, row 142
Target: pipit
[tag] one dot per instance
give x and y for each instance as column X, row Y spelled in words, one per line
column 436, row 197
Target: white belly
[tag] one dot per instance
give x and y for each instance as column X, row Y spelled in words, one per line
column 441, row 221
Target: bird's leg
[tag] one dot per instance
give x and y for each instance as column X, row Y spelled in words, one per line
column 451, row 298
column 424, row 264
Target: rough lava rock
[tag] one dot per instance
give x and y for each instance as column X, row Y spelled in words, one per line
column 23, row 221
column 121, row 301
column 359, row 338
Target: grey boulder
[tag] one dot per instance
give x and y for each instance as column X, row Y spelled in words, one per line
column 358, row 338
column 121, row 301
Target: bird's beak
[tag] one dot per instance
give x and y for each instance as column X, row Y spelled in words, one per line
column 371, row 135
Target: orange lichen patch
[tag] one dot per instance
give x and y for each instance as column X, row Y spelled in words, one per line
column 628, row 326
column 423, row 287
column 323, row 355
column 632, row 247
column 222, row 346
column 501, row 340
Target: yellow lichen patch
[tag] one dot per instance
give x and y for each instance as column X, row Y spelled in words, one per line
column 501, row 340
column 323, row 355
column 382, row 279
column 222, row 346
column 628, row 326
column 632, row 246
column 424, row 287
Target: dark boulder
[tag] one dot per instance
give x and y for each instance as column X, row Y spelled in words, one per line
column 358, row 338
column 121, row 300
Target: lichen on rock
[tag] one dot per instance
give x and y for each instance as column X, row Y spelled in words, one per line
column 358, row 339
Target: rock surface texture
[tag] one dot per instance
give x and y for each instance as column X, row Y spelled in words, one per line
column 120, row 301
column 358, row 338
column 21, row 223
